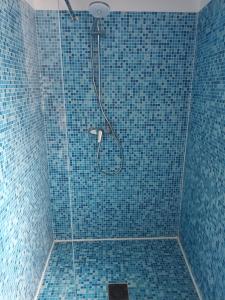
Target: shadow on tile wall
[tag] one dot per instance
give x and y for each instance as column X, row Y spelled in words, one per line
column 203, row 208
column 25, row 222
column 55, row 120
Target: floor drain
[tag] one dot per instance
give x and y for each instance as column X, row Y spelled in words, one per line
column 118, row 291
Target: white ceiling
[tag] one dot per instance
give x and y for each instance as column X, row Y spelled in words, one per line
column 127, row 5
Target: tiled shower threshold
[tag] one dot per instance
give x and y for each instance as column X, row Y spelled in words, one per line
column 153, row 269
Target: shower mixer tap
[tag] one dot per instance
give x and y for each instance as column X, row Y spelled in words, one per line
column 100, row 135
column 98, row 132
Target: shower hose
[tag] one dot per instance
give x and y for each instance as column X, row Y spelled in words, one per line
column 99, row 98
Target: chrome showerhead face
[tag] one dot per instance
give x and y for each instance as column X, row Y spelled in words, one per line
column 99, row 9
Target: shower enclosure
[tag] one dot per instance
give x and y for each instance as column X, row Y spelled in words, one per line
column 122, row 136
column 112, row 150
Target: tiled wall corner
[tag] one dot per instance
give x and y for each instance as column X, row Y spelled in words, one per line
column 203, row 205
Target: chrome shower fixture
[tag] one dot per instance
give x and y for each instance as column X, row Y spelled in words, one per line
column 73, row 16
column 96, row 28
column 99, row 9
column 98, row 133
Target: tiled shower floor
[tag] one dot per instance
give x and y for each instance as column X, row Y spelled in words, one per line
column 153, row 269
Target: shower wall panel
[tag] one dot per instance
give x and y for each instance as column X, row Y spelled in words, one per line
column 203, row 207
column 55, row 120
column 146, row 80
column 25, row 222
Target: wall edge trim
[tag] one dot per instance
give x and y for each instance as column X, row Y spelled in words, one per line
column 43, row 272
column 190, row 270
column 188, row 123
column 119, row 239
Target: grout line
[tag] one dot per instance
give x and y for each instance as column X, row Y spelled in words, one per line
column 188, row 120
column 190, row 270
column 43, row 272
column 43, row 110
column 67, row 139
column 119, row 239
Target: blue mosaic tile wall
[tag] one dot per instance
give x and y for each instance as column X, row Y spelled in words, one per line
column 25, row 225
column 146, row 73
column 55, row 120
column 203, row 209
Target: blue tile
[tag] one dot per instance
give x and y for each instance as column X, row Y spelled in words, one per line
column 146, row 80
column 203, row 217
column 152, row 270
column 25, row 217
column 55, row 120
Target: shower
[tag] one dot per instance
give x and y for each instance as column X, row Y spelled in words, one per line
column 100, row 10
column 112, row 150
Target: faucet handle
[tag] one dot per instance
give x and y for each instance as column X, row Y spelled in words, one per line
column 93, row 131
column 100, row 135
column 98, row 132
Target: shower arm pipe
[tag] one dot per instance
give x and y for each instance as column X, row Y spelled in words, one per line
column 73, row 16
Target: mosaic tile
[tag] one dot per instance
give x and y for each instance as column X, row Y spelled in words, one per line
column 203, row 217
column 146, row 79
column 25, row 225
column 152, row 269
column 55, row 120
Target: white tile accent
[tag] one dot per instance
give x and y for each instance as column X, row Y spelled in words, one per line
column 127, row 5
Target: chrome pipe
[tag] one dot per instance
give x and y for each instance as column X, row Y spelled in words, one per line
column 97, row 30
column 73, row 16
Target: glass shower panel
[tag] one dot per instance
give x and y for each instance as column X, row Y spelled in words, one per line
column 60, row 273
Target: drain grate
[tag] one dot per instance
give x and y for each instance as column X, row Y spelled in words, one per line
column 118, row 291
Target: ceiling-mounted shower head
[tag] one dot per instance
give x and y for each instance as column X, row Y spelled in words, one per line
column 99, row 9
